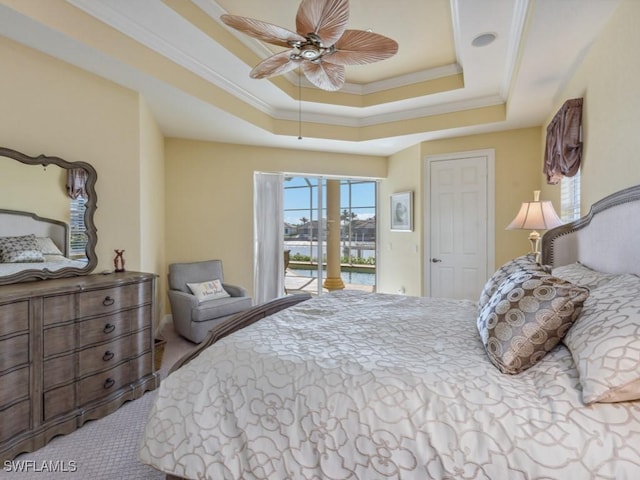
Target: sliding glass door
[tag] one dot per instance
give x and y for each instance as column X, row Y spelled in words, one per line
column 305, row 233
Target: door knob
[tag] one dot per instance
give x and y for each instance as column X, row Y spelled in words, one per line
column 435, row 260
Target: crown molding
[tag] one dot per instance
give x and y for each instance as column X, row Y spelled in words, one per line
column 112, row 17
column 515, row 41
column 214, row 10
column 398, row 116
column 139, row 33
column 115, row 19
column 455, row 25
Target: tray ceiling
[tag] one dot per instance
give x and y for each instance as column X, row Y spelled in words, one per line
column 193, row 71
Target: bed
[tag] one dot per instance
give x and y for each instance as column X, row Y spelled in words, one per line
column 354, row 385
column 35, row 244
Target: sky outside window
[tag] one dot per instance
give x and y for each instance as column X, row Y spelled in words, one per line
column 300, row 200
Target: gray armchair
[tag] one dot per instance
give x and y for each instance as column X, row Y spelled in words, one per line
column 192, row 319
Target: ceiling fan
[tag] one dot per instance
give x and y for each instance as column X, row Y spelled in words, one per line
column 321, row 47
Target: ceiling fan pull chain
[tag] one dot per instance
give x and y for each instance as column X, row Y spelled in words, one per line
column 299, row 104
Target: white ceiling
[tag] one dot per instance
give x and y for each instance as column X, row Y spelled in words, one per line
column 539, row 44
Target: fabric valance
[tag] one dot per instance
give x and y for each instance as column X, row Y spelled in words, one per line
column 76, row 183
column 563, row 149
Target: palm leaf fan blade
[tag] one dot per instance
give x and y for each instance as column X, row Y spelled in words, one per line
column 326, row 76
column 322, row 45
column 274, row 65
column 326, row 18
column 267, row 32
column 357, row 47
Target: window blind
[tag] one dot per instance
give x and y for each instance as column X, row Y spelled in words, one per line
column 78, row 230
column 570, row 198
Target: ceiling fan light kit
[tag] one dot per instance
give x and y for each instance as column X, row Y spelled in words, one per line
column 321, row 46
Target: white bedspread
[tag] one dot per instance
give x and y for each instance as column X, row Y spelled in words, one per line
column 368, row 386
column 52, row 265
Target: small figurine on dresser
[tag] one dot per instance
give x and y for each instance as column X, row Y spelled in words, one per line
column 118, row 261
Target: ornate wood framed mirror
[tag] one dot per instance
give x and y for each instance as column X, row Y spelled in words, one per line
column 52, row 202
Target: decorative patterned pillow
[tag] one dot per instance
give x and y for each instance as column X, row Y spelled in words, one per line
column 582, row 275
column 526, row 317
column 524, row 263
column 47, row 247
column 20, row 249
column 605, row 342
column 209, row 290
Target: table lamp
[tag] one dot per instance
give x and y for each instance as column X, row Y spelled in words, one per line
column 535, row 216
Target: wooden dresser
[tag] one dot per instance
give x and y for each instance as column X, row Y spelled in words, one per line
column 71, row 350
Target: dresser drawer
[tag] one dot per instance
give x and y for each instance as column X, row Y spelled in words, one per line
column 15, row 385
column 141, row 366
column 14, row 317
column 141, row 318
column 59, row 370
column 103, row 356
column 59, row 401
column 104, row 328
column 103, row 384
column 141, row 342
column 59, row 340
column 14, row 351
column 14, row 420
column 71, row 349
column 58, row 309
column 108, row 300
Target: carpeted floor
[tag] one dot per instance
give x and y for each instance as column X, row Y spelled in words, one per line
column 104, row 449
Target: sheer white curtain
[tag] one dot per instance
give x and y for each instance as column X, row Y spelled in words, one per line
column 268, row 228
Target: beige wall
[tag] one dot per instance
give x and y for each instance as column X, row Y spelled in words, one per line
column 22, row 187
column 54, row 108
column 608, row 80
column 152, row 201
column 210, row 197
column 517, row 174
column 400, row 253
column 60, row 110
column 215, row 181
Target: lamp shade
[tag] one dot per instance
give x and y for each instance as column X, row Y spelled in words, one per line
column 535, row 215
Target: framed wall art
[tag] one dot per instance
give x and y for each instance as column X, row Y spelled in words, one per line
column 402, row 212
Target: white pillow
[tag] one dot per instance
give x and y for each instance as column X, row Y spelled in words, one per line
column 582, row 275
column 55, row 258
column 47, row 247
column 209, row 290
column 605, row 342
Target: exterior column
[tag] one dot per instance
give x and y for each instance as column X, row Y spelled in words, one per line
column 333, row 280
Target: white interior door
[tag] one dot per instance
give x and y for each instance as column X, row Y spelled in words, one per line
column 460, row 225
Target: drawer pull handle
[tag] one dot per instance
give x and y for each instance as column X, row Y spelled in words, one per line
column 108, row 355
column 108, row 301
column 108, row 328
column 108, row 383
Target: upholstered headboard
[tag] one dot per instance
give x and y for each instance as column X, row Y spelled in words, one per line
column 606, row 239
column 15, row 223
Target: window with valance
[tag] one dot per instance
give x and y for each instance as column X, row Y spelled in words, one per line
column 77, row 191
column 563, row 149
column 76, row 183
